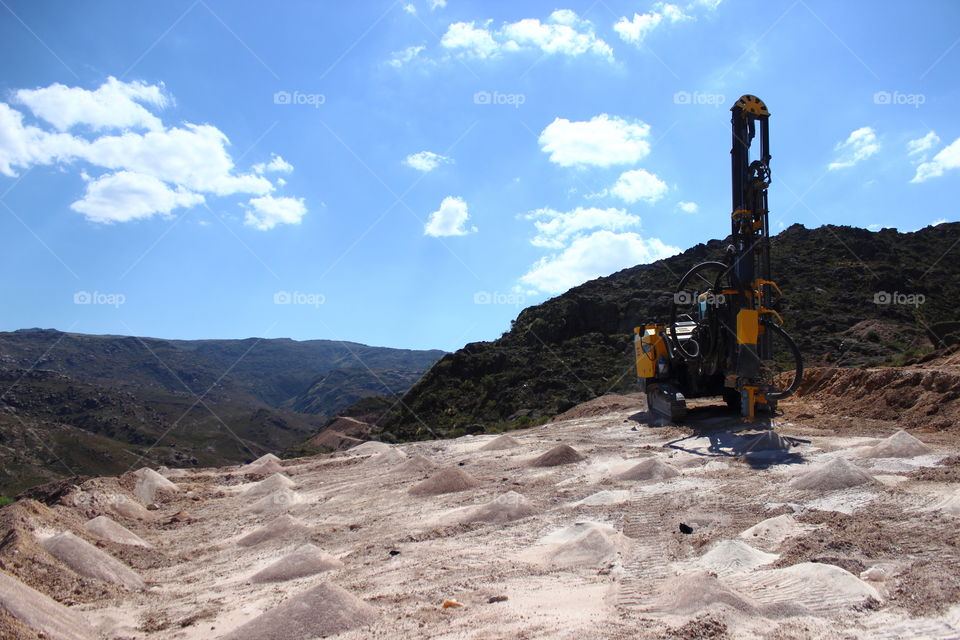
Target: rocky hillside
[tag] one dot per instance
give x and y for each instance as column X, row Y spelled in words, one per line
column 852, row 297
column 91, row 405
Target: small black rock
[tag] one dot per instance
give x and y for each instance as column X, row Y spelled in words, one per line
column 685, row 528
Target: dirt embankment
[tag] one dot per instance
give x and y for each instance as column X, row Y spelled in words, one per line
column 923, row 395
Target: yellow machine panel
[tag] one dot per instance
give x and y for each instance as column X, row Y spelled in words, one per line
column 649, row 345
column 748, row 326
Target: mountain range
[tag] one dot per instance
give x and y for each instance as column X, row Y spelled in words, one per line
column 75, row 404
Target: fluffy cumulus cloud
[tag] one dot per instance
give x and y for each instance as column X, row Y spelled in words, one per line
column 426, row 160
column 637, row 185
column 591, row 256
column 562, row 33
column 450, row 219
column 945, row 159
column 147, row 167
column 114, row 105
column 636, row 29
column 859, row 145
column 276, row 165
column 602, row 141
column 688, row 207
column 123, row 196
column 266, row 212
column 556, row 228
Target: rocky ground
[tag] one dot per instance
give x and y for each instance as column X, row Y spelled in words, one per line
column 599, row 524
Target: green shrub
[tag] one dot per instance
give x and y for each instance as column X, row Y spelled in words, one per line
column 4, row 501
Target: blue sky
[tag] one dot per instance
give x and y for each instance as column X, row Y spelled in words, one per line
column 412, row 174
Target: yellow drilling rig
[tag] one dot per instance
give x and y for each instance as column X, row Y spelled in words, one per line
column 723, row 337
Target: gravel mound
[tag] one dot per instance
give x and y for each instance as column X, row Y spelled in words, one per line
column 727, row 557
column 501, row 443
column 279, row 501
column 583, row 544
column 447, row 480
column 899, row 445
column 505, row 508
column 560, row 454
column 87, row 560
column 770, row 533
column 127, row 508
column 263, row 465
column 276, row 482
column 280, row 527
column 649, row 469
column 321, row 611
column 693, row 592
column 388, row 458
column 418, row 464
column 105, row 528
column 149, row 483
column 369, row 448
column 306, row 560
column 42, row 613
column 839, row 473
column 767, row 441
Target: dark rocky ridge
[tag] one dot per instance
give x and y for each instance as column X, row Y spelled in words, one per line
column 578, row 345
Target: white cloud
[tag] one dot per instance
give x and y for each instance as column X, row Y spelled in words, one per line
column 602, row 141
column 939, row 221
column 147, row 171
column 859, row 145
column 449, row 219
column 266, row 212
column 437, row 4
column 562, row 33
column 400, row 58
column 918, row 148
column 555, row 228
column 22, row 146
column 688, row 207
column 598, row 254
column 471, row 40
column 639, row 184
column 115, row 105
column 426, row 160
column 124, row 196
column 635, row 30
column 194, row 156
column 947, row 158
column 276, row 165
column 409, row 8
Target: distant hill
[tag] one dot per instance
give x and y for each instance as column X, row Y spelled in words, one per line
column 578, row 345
column 85, row 404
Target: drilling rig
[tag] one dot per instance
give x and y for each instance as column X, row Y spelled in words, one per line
column 723, row 337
